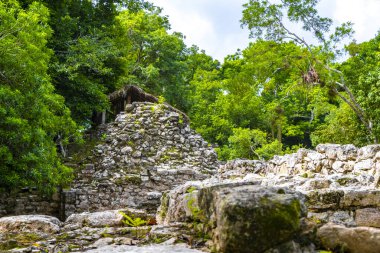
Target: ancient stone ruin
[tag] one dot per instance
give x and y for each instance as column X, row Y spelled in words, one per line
column 149, row 149
column 328, row 198
column 150, row 165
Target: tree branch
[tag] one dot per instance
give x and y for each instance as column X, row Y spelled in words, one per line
column 367, row 123
column 295, row 37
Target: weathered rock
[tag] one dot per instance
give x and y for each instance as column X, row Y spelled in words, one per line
column 354, row 240
column 246, row 212
column 360, row 198
column 241, row 167
column 324, row 199
column 30, row 223
column 345, row 218
column 364, row 165
column 147, row 150
column 163, row 233
column 150, row 149
column 369, row 217
column 368, row 152
column 111, row 218
column 102, row 242
column 96, row 219
column 145, row 249
column 29, row 201
column 330, row 150
column 292, row 247
column 235, row 213
column 347, row 152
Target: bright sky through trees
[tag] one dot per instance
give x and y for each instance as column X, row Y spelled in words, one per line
column 214, row 25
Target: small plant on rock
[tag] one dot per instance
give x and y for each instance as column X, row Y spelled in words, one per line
column 191, row 189
column 103, row 137
column 161, row 100
column 133, row 222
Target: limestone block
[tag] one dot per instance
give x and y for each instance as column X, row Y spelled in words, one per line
column 331, row 150
column 271, row 216
column 360, row 198
column 376, row 183
column 364, row 165
column 154, row 195
column 315, row 156
column 315, row 184
column 343, row 167
column 126, row 150
column 338, row 166
column 347, row 152
column 30, row 224
column 324, row 199
column 235, row 213
column 354, row 240
column 368, row 152
column 337, row 217
column 368, row 217
column 110, row 218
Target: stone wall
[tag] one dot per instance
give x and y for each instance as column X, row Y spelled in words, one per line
column 149, row 149
column 341, row 182
column 29, row 201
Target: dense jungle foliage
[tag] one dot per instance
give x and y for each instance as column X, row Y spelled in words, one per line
column 60, row 59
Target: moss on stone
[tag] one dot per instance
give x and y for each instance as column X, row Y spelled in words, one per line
column 329, row 199
column 81, row 152
column 164, row 205
column 164, row 158
column 196, row 213
column 133, row 179
column 63, row 237
column 131, row 144
column 18, row 240
column 191, row 189
column 271, row 221
column 157, row 239
column 343, row 181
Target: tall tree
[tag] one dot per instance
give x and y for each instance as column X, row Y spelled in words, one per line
column 362, row 74
column 153, row 58
column 267, row 20
column 32, row 116
column 85, row 65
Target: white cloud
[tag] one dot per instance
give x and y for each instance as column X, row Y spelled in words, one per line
column 213, row 25
column 364, row 14
column 187, row 21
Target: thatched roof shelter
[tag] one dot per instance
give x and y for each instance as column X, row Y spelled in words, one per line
column 127, row 95
column 131, row 94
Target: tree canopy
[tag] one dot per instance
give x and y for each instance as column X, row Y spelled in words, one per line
column 59, row 60
column 32, row 115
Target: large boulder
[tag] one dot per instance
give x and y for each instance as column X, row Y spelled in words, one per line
column 369, row 217
column 179, row 248
column 24, row 230
column 30, row 224
column 251, row 218
column 349, row 239
column 110, row 218
column 240, row 217
column 96, row 219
